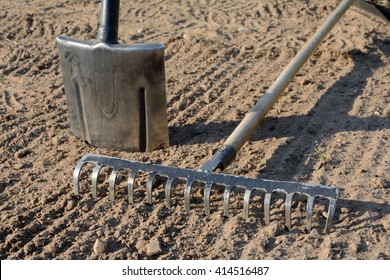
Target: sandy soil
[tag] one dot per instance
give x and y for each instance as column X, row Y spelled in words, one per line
column 332, row 126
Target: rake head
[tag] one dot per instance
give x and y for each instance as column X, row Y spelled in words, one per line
column 207, row 180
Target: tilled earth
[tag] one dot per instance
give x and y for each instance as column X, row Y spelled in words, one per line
column 331, row 126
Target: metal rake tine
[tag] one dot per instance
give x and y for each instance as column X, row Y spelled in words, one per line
column 309, row 212
column 187, row 193
column 111, row 185
column 246, row 128
column 192, row 178
column 149, row 187
column 226, row 197
column 168, row 188
column 206, row 199
column 95, row 175
column 247, row 197
column 267, row 207
column 130, row 186
column 227, row 153
column 287, row 209
column 331, row 211
column 76, row 176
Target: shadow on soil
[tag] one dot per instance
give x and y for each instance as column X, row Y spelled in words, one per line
column 305, row 131
column 328, row 117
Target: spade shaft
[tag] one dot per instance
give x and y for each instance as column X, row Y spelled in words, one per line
column 108, row 30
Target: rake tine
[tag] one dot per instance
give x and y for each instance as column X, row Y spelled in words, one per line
column 227, row 153
column 95, row 175
column 309, row 212
column 187, row 193
column 226, row 197
column 200, row 178
column 267, row 207
column 111, row 186
column 168, row 188
column 130, row 186
column 149, row 187
column 206, row 199
column 247, row 196
column 331, row 211
column 287, row 209
column 76, row 176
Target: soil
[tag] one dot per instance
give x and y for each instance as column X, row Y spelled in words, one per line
column 331, row 127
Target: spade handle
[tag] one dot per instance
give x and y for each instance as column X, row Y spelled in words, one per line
column 108, row 30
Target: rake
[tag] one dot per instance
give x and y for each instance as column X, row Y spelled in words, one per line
column 206, row 178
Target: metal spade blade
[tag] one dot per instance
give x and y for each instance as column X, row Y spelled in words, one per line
column 115, row 93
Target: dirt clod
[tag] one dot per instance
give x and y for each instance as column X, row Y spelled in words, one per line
column 274, row 229
column 345, row 210
column 154, row 247
column 71, row 204
column 100, row 246
column 381, row 183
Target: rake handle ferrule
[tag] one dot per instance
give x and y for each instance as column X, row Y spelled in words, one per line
column 109, row 18
column 220, row 159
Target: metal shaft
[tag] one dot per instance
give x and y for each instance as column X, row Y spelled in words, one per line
column 256, row 115
column 109, row 18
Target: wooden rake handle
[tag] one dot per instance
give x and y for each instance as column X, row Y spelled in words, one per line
column 255, row 116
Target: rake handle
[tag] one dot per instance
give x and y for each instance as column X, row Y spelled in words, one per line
column 109, row 18
column 255, row 116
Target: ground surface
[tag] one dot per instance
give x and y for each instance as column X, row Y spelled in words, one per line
column 331, row 126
